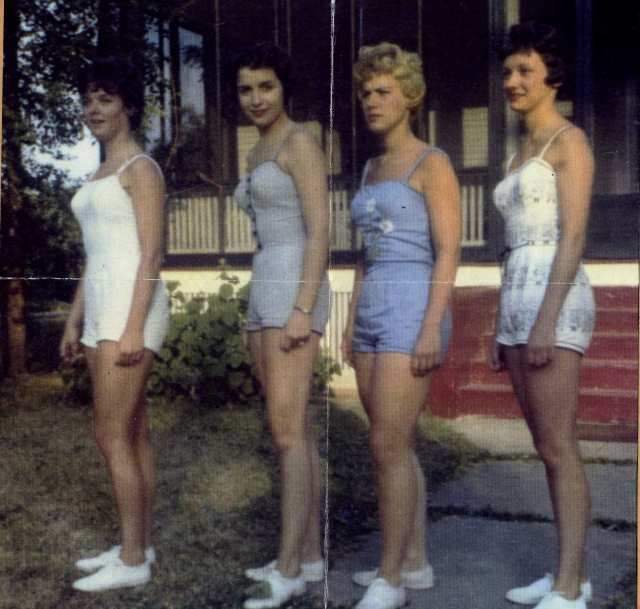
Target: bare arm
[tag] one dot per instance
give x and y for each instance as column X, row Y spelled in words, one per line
column 442, row 196
column 573, row 164
column 305, row 162
column 145, row 185
column 70, row 348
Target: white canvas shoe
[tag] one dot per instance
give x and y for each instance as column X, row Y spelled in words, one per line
column 555, row 600
column 382, row 595
column 282, row 589
column 420, row 579
column 535, row 592
column 115, row 575
column 311, row 571
column 88, row 565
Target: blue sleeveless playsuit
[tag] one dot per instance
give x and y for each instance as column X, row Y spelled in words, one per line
column 109, row 233
column 399, row 259
column 268, row 195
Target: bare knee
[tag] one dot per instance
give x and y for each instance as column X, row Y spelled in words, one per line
column 557, row 453
column 388, row 447
column 112, row 442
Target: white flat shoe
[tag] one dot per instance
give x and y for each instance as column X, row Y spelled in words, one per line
column 88, row 565
column 311, row 571
column 382, row 595
column 282, row 589
column 555, row 600
column 115, row 575
column 420, row 579
column 535, row 592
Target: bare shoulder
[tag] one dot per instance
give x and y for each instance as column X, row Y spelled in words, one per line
column 301, row 141
column 145, row 168
column 435, row 165
column 570, row 143
column 143, row 177
column 301, row 151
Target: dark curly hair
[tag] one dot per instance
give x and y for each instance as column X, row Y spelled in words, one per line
column 117, row 76
column 547, row 42
column 265, row 55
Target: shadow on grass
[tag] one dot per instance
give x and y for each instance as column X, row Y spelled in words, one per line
column 217, row 501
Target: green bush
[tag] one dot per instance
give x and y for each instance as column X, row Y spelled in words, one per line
column 202, row 357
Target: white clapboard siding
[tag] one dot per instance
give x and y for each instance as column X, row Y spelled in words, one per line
column 472, row 214
column 340, row 220
column 193, row 226
column 238, row 231
column 332, row 337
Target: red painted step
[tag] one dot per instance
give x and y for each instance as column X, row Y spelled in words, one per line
column 598, row 405
column 594, row 373
column 614, row 346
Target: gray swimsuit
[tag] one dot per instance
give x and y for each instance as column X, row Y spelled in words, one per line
column 269, row 197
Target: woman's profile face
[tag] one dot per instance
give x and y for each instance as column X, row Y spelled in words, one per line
column 261, row 95
column 383, row 103
column 523, row 76
column 104, row 113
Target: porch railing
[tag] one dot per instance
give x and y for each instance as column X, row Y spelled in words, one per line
column 194, row 223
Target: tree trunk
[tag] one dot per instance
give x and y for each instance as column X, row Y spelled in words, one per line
column 16, row 329
column 14, row 321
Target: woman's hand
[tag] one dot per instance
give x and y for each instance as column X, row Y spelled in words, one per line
column 426, row 353
column 346, row 346
column 541, row 345
column 130, row 349
column 70, row 347
column 296, row 331
column 495, row 356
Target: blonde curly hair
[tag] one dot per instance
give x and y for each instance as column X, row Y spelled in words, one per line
column 389, row 58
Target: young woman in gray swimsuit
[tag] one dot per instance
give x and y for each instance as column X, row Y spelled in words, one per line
column 284, row 192
column 547, row 312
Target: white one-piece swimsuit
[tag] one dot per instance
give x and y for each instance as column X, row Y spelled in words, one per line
column 109, row 233
column 527, row 198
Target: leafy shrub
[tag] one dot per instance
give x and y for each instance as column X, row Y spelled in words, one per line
column 323, row 370
column 202, row 356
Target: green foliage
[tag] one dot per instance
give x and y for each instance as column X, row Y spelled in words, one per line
column 203, row 355
column 323, row 370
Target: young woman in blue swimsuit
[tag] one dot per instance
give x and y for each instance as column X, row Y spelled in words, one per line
column 399, row 325
column 547, row 312
column 285, row 194
column 120, row 313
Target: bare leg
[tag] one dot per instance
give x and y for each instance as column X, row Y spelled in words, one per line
column 147, row 466
column 394, row 398
column 549, row 400
column 286, row 381
column 119, row 410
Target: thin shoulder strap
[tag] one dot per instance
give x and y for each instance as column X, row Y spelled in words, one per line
column 553, row 137
column 284, row 141
column 137, row 156
column 365, row 172
column 513, row 156
column 418, row 161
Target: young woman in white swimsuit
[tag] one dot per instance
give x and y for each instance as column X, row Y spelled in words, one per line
column 547, row 311
column 284, row 192
column 120, row 312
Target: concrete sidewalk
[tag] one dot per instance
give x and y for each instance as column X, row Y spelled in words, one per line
column 496, row 531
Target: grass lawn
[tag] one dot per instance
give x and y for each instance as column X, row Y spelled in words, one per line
column 217, row 502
